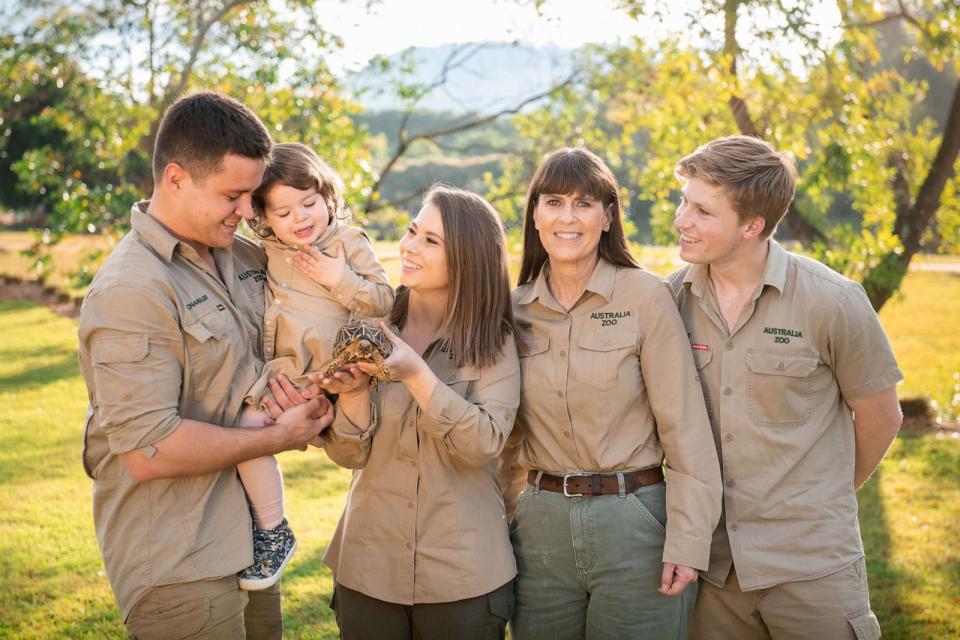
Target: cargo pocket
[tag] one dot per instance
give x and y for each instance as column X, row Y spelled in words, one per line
column 599, row 358
column 865, row 625
column 154, row 618
column 119, row 370
column 534, row 360
column 779, row 387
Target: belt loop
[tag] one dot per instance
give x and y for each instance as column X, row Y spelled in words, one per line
column 536, row 484
column 621, row 485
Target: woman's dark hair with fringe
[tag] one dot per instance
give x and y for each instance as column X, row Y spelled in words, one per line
column 570, row 171
column 479, row 316
column 297, row 165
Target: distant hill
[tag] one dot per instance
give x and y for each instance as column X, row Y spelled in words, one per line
column 496, row 75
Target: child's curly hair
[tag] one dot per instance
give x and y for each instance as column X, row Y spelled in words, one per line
column 297, row 165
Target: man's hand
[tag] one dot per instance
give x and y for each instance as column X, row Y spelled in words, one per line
column 323, row 269
column 675, row 578
column 304, row 418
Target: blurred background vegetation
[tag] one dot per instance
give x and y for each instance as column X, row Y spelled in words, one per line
column 867, row 99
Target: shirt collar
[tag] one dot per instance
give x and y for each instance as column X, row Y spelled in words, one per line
column 601, row 283
column 774, row 272
column 154, row 233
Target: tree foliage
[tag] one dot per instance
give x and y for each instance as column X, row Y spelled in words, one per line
column 89, row 81
column 877, row 177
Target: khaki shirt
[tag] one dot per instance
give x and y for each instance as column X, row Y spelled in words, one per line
column 162, row 339
column 776, row 389
column 424, row 520
column 611, row 386
column 303, row 317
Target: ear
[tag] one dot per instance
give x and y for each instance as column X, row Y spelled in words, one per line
column 754, row 228
column 607, row 217
column 174, row 177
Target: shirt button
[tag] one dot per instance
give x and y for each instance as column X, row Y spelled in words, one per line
column 727, row 391
column 559, row 394
column 606, row 343
column 730, row 345
column 731, row 482
column 566, row 434
column 563, row 354
column 728, row 437
column 733, row 527
column 410, row 505
column 409, row 545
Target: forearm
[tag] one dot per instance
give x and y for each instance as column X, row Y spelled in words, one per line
column 876, row 420
column 872, row 445
column 197, row 448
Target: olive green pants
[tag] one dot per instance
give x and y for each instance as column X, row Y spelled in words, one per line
column 590, row 567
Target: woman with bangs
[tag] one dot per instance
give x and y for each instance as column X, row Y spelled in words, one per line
column 610, row 408
column 422, row 549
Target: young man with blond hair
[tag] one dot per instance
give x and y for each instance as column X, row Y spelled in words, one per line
column 799, row 381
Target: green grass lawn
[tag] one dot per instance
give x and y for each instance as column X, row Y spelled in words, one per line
column 54, row 584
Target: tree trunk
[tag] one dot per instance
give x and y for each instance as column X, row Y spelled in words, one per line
column 882, row 281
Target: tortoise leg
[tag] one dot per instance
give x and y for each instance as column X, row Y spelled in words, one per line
column 383, row 372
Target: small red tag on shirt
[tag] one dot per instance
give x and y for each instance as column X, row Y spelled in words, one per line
column 700, row 347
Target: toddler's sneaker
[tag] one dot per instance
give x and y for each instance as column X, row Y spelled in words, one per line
column 272, row 551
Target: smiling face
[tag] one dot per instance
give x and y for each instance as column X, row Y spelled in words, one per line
column 209, row 209
column 298, row 217
column 423, row 253
column 570, row 227
column 710, row 229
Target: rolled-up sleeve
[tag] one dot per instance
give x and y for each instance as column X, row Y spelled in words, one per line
column 347, row 444
column 135, row 346
column 364, row 288
column 694, row 488
column 475, row 427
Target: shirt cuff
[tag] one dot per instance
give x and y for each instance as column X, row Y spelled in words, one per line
column 125, row 439
column 345, row 429
column 688, row 552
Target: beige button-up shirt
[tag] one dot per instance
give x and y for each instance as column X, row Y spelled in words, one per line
column 424, row 520
column 163, row 339
column 776, row 388
column 611, row 386
column 302, row 316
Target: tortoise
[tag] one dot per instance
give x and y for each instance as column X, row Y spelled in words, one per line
column 360, row 341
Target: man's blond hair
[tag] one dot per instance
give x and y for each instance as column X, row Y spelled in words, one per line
column 759, row 180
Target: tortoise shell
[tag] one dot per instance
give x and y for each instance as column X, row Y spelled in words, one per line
column 359, row 341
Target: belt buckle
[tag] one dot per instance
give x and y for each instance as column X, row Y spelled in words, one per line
column 566, row 477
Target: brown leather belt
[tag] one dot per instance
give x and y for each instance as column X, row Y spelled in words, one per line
column 595, row 484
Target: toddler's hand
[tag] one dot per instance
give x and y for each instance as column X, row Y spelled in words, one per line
column 323, row 269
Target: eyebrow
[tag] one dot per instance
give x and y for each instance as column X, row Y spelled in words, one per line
column 429, row 233
column 315, row 194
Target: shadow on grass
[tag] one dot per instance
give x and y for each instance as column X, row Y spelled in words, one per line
column 62, row 369
column 884, row 579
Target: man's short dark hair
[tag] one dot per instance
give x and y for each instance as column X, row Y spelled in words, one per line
column 200, row 128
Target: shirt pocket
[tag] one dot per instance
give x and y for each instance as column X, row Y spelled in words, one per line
column 599, row 357
column 208, row 349
column 121, row 370
column 779, row 387
column 534, row 360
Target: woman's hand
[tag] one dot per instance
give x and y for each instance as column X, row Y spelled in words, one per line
column 346, row 381
column 406, row 366
column 323, row 269
column 404, row 363
column 675, row 578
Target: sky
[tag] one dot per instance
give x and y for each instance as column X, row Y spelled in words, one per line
column 390, row 26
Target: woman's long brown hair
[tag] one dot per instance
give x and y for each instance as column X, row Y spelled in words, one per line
column 479, row 316
column 571, row 171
